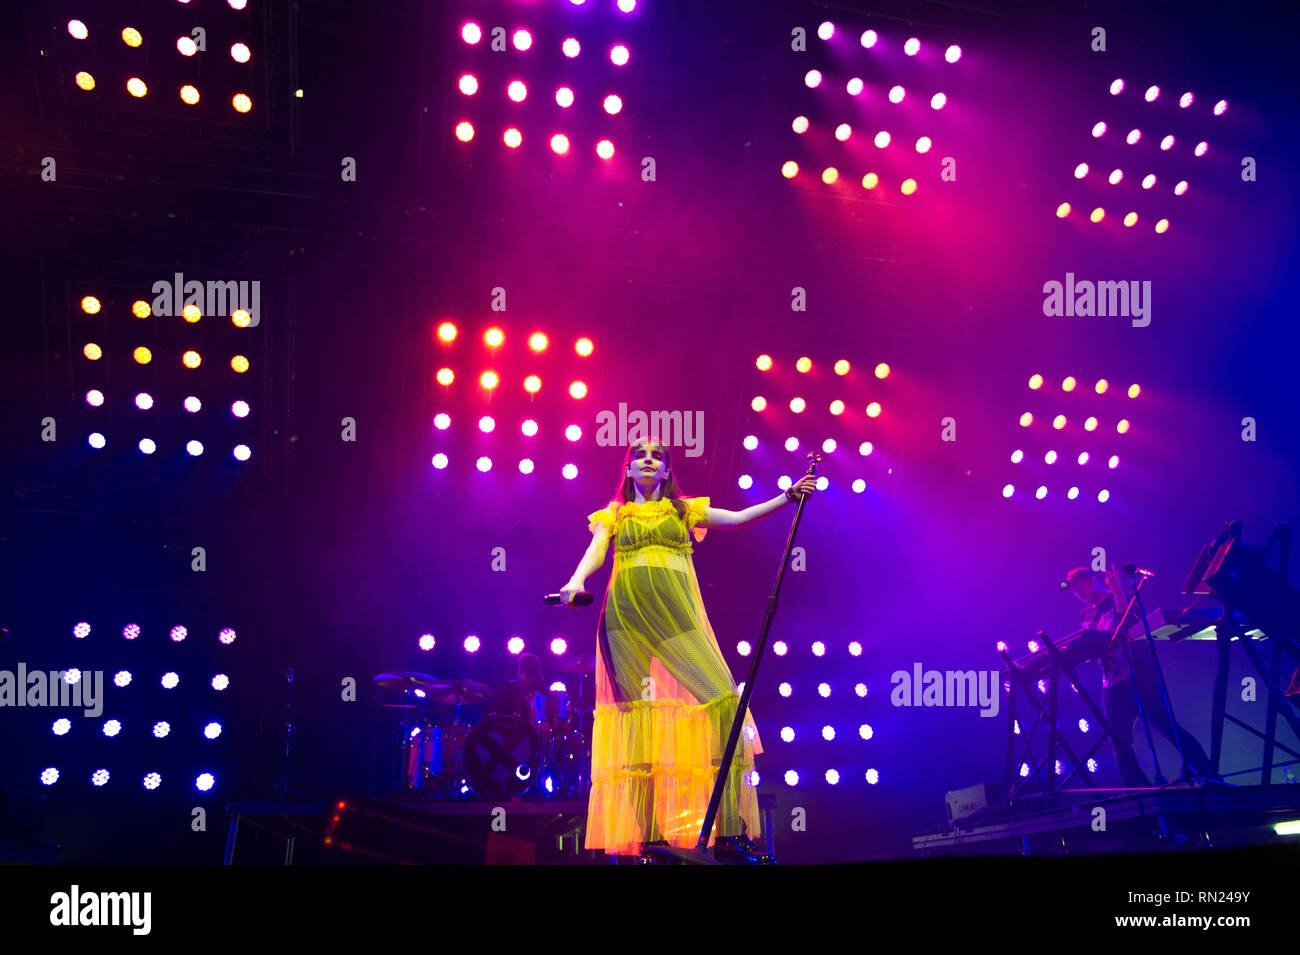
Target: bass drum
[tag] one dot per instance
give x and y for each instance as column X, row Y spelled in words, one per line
column 503, row 757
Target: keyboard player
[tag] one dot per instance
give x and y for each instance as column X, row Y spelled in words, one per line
column 1105, row 598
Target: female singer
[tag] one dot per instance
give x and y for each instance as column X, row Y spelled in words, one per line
column 665, row 699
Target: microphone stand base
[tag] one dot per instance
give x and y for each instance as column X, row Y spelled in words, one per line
column 728, row 850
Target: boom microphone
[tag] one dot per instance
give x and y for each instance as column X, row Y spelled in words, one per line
column 1133, row 570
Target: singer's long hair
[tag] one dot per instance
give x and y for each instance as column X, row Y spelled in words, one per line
column 668, row 489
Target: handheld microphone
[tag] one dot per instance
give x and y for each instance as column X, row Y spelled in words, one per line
column 580, row 599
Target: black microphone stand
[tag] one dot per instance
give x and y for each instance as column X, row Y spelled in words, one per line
column 699, row 855
column 1186, row 771
column 1121, row 634
column 282, row 790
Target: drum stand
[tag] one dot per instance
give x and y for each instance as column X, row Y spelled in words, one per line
column 547, row 766
column 581, row 759
column 408, row 788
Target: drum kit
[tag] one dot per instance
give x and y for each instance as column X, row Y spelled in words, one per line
column 502, row 755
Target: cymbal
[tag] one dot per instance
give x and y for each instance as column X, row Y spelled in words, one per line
column 402, row 679
column 580, row 664
column 458, row 691
column 407, row 706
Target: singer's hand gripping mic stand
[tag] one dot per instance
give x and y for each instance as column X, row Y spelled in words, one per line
column 699, row 855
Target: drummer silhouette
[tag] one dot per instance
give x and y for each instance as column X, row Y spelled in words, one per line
column 528, row 697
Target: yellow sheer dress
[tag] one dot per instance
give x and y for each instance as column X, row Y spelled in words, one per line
column 665, row 698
